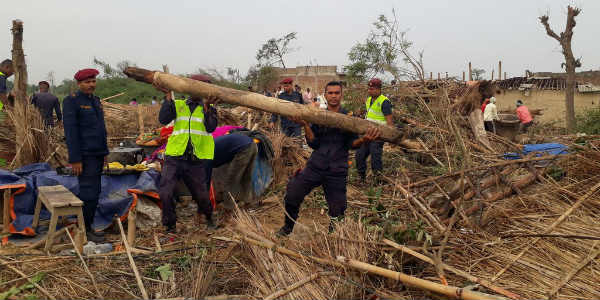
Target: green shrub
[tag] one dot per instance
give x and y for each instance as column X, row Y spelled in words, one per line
column 589, row 121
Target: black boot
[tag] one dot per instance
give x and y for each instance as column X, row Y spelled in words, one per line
column 287, row 228
column 334, row 221
column 96, row 237
column 210, row 223
column 170, row 229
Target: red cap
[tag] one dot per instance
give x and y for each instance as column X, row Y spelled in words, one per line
column 286, row 80
column 84, row 74
column 201, row 77
column 375, row 82
column 44, row 82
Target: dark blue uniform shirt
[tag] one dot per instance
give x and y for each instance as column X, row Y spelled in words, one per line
column 227, row 146
column 46, row 103
column 292, row 97
column 331, row 147
column 85, row 130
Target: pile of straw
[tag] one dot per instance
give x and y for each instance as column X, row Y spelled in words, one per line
column 289, row 155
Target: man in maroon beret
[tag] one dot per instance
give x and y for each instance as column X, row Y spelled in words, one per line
column 85, row 133
column 189, row 153
column 379, row 110
column 288, row 127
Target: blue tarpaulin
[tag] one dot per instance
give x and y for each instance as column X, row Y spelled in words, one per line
column 539, row 150
column 114, row 198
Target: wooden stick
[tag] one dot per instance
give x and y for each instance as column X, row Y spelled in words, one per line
column 41, row 289
column 483, row 167
column 113, row 96
column 575, row 270
column 458, row 272
column 263, row 103
column 6, row 211
column 433, row 219
column 565, row 236
column 143, row 277
column 282, row 250
column 57, row 233
column 296, row 285
column 131, row 261
column 157, row 243
column 549, row 229
column 450, row 291
column 85, row 267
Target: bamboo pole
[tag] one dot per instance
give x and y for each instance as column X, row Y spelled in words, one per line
column 450, row 291
column 263, row 103
column 6, row 213
column 113, row 96
column 555, row 224
column 24, row 276
column 458, row 272
column 132, row 262
column 85, row 267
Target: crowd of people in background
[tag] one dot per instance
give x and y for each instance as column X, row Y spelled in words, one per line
column 308, row 97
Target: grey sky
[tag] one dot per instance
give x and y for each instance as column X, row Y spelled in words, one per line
column 64, row 36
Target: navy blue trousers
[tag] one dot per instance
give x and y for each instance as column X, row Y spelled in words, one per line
column 334, row 185
column 89, row 187
column 375, row 149
column 194, row 175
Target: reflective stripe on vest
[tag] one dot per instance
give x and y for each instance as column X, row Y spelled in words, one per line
column 190, row 125
column 374, row 112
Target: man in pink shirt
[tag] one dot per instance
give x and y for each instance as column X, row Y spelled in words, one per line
column 524, row 115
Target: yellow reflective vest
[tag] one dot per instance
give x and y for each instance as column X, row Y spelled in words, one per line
column 190, row 125
column 374, row 112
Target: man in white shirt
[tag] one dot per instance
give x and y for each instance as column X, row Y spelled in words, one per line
column 490, row 114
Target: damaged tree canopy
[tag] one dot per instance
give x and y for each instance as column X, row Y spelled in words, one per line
column 257, row 101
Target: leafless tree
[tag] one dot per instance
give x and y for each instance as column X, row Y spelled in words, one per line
column 570, row 63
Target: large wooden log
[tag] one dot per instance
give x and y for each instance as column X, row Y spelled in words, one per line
column 257, row 101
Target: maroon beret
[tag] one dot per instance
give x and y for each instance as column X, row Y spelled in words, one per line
column 286, row 80
column 201, row 77
column 84, row 74
column 375, row 82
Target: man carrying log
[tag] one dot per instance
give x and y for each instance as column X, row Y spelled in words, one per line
column 379, row 110
column 328, row 164
column 189, row 153
column 288, row 127
column 6, row 70
column 85, row 133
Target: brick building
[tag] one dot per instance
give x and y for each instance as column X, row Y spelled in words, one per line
column 313, row 77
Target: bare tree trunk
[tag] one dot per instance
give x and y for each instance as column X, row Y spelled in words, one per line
column 263, row 103
column 18, row 57
column 570, row 63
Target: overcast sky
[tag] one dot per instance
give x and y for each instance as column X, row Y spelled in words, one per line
column 64, row 36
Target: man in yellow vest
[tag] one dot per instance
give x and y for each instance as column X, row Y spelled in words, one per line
column 379, row 110
column 6, row 70
column 189, row 153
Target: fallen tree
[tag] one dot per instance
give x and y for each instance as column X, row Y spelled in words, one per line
column 257, row 101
